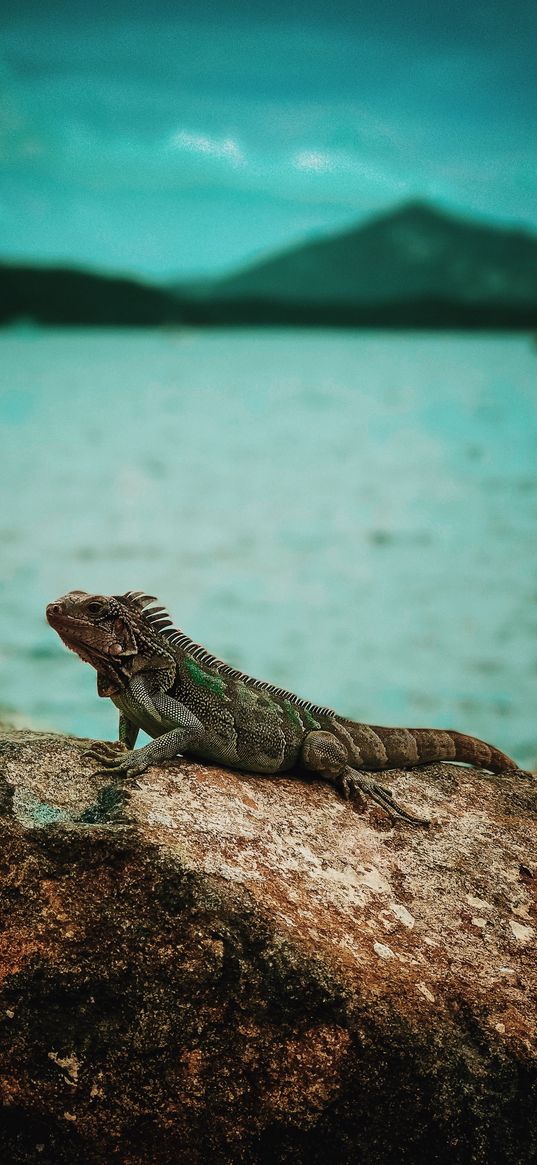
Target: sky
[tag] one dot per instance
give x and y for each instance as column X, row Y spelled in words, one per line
column 170, row 140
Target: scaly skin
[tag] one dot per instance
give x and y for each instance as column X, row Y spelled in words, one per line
column 192, row 703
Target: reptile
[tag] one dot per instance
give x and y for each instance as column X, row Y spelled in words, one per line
column 192, row 703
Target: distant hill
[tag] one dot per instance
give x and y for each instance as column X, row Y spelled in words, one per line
column 413, row 268
column 414, row 253
column 55, row 295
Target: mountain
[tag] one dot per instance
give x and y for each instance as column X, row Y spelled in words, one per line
column 413, row 268
column 415, row 253
column 54, row 295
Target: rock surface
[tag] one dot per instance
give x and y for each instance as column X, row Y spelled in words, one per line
column 208, row 966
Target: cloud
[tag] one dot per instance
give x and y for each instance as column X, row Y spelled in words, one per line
column 343, row 171
column 132, row 138
column 225, row 148
column 312, row 160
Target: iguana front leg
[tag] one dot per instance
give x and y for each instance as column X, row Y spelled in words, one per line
column 323, row 753
column 136, row 761
column 128, row 731
column 164, row 711
column 127, row 736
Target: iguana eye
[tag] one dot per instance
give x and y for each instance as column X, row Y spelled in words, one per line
column 94, row 608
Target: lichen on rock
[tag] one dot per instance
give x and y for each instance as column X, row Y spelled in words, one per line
column 210, row 966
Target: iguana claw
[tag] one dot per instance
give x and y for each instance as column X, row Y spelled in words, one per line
column 117, row 760
column 353, row 782
column 105, row 748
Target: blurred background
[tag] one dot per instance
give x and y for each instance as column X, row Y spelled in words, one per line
column 268, row 296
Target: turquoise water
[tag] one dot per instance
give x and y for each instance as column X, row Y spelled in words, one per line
column 350, row 515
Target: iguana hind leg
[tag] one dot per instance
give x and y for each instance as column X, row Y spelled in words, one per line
column 323, row 753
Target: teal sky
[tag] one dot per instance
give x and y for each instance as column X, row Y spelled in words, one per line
column 171, row 139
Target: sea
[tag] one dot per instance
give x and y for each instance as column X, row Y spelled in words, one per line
column 349, row 514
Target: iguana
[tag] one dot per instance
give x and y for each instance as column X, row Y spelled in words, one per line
column 190, row 702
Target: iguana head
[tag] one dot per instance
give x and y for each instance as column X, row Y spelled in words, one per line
column 120, row 635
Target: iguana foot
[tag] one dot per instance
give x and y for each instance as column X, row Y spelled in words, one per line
column 325, row 753
column 105, row 749
column 129, row 763
column 136, row 760
column 352, row 782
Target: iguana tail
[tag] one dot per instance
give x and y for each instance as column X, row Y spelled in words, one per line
column 384, row 748
column 468, row 749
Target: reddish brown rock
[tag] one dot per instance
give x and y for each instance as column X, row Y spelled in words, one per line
column 209, row 967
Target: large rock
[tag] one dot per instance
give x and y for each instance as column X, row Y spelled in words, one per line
column 211, row 967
